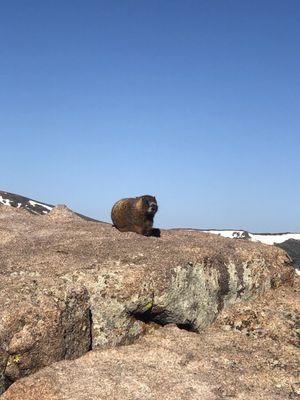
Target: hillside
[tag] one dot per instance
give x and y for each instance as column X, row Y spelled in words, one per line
column 33, row 206
column 267, row 238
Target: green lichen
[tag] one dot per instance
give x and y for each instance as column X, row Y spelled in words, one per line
column 148, row 306
column 17, row 358
column 13, row 359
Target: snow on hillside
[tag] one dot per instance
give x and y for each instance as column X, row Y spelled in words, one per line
column 33, row 206
column 276, row 238
column 267, row 238
column 290, row 242
column 15, row 200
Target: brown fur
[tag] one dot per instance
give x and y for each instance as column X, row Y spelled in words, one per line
column 135, row 215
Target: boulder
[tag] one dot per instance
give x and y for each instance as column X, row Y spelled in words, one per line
column 40, row 326
column 68, row 285
column 253, row 359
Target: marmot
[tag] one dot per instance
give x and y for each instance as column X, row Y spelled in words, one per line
column 135, row 215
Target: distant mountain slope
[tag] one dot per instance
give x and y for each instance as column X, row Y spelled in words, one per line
column 33, row 206
column 30, row 205
column 267, row 238
column 292, row 247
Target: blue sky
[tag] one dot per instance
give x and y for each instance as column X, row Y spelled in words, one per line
column 196, row 102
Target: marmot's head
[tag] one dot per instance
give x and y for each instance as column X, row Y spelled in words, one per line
column 149, row 204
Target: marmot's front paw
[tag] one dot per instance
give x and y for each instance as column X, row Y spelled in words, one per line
column 155, row 232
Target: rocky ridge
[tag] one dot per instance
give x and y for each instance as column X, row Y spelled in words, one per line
column 288, row 241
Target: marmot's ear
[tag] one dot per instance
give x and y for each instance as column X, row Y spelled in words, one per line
column 140, row 203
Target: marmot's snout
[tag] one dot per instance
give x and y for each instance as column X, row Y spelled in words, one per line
column 152, row 208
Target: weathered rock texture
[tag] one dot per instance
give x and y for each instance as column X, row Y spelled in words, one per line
column 68, row 285
column 249, row 353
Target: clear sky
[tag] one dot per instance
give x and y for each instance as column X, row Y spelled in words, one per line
column 196, row 102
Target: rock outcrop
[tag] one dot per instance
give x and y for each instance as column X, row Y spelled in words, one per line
column 68, row 285
column 249, row 353
column 292, row 247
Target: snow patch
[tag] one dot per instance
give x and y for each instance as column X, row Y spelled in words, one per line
column 6, row 202
column 35, row 203
column 272, row 239
column 254, row 237
column 228, row 234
